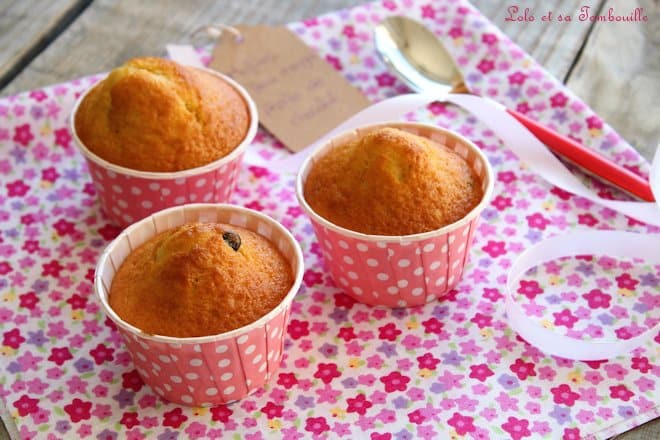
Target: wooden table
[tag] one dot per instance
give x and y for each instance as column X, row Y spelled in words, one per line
column 614, row 67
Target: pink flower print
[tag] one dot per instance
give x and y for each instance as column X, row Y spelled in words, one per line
column 485, row 66
column 462, row 424
column 428, row 11
column 456, row 32
column 374, row 361
column 26, row 405
column 537, row 221
column 437, row 108
column 64, row 227
column 62, row 137
column 316, row 425
column 523, row 369
column 327, row 372
column 482, row 320
column 416, row 417
column 326, row 394
column 131, row 380
column 517, row 428
column 359, row 404
column 480, row 372
column 395, row 381
column 38, row 95
column 615, row 371
column 297, row 329
column 529, row 288
column 174, row 418
column 432, row 325
column 564, row 395
column 501, row 203
column 587, row 219
column 347, row 334
column 272, row 410
column 334, row 62
column 17, row 188
column 79, row 410
column 49, row 174
column 427, row 361
column 5, row 267
column 492, row 294
column 585, row 416
column 348, row 31
column 565, row 318
column 22, row 134
column 489, row 39
column 517, row 78
column 59, row 355
column 625, row 281
column 593, row 377
column 571, row 434
column 523, row 107
column 621, row 392
column 287, row 380
column 52, row 268
column 594, row 122
column 411, row 342
column 221, row 413
column 558, row 100
column 12, row 338
column 385, row 80
column 129, row 419
column 102, row 354
column 641, row 363
column 494, row 248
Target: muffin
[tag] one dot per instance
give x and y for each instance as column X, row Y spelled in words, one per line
column 153, row 114
column 200, row 279
column 391, row 182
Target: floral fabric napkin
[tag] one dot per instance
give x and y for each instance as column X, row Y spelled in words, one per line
column 452, row 368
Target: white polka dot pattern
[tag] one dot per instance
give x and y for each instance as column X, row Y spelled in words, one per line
column 401, row 274
column 126, row 199
column 211, row 373
column 396, row 275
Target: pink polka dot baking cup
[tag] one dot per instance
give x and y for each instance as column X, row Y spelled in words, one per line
column 208, row 370
column 399, row 271
column 128, row 195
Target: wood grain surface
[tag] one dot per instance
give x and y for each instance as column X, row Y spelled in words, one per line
column 614, row 67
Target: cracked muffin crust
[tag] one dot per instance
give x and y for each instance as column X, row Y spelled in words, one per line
column 200, row 279
column 152, row 114
column 391, row 182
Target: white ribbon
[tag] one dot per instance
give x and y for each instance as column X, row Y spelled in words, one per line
column 584, row 242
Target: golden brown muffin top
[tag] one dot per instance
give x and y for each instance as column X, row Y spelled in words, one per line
column 153, row 114
column 200, row 279
column 391, row 182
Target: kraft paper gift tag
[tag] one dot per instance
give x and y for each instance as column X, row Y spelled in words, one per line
column 299, row 96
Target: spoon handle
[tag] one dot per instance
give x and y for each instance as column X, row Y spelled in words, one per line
column 588, row 159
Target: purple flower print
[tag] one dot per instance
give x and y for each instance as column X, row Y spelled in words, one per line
column 328, row 350
column 168, row 434
column 508, row 381
column 561, row 414
column 452, row 358
column 403, row 435
column 124, row 398
column 400, row 402
column 304, row 402
column 84, row 365
column 62, row 426
column 106, row 434
column 387, row 349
